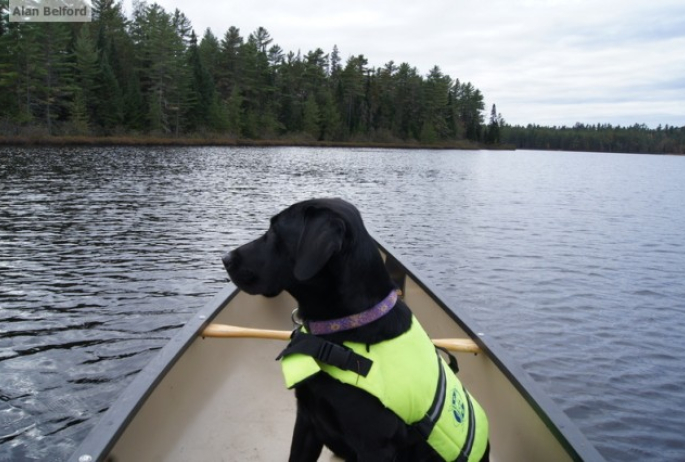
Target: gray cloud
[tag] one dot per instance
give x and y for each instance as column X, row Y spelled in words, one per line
column 541, row 61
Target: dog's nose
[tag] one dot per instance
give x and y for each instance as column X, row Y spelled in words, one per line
column 230, row 260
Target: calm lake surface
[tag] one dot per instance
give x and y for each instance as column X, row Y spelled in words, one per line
column 573, row 261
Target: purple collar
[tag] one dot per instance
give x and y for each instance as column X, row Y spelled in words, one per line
column 355, row 320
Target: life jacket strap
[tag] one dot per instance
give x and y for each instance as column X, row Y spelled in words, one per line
column 327, row 352
column 453, row 364
column 425, row 425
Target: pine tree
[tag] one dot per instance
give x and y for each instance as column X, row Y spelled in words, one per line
column 179, row 85
column 468, row 105
column 85, row 95
column 331, row 125
column 407, row 95
column 493, row 130
column 203, row 112
column 230, row 68
column 435, row 99
column 335, row 67
column 55, row 86
column 163, row 67
column 386, row 104
column 119, row 101
column 289, row 88
column 210, row 52
column 311, row 117
column 133, row 105
column 110, row 107
column 33, row 71
column 234, row 113
column 182, row 26
column 262, row 39
column 275, row 55
column 257, row 84
column 13, row 48
column 352, row 81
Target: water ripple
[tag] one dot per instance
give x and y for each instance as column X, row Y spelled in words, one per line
column 572, row 261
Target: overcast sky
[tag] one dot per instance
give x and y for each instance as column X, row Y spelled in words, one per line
column 548, row 62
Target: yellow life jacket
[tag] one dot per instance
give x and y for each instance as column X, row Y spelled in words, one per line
column 411, row 379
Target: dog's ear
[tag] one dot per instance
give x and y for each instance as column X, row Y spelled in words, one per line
column 321, row 238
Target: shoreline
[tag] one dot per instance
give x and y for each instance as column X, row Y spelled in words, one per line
column 68, row 141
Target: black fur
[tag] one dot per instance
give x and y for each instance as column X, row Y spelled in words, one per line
column 320, row 252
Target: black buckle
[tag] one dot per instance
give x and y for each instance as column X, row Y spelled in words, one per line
column 330, row 353
column 327, row 352
column 344, row 358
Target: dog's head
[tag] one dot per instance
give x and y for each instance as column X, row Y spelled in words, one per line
column 315, row 245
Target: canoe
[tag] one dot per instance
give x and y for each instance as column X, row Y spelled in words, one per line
column 211, row 399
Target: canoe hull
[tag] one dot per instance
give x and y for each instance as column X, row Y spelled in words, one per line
column 224, row 399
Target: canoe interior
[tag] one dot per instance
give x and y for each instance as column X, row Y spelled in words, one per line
column 224, row 399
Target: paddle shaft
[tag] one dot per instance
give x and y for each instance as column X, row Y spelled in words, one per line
column 462, row 345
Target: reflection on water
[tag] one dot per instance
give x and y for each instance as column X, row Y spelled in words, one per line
column 573, row 261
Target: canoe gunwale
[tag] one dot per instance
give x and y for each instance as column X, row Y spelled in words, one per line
column 104, row 435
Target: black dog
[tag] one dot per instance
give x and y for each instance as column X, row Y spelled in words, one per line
column 320, row 252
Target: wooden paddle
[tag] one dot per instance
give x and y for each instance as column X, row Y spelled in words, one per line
column 463, row 345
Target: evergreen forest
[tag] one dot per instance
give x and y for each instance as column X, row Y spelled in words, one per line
column 150, row 75
column 637, row 138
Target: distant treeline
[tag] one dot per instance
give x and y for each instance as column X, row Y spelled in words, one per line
column 600, row 138
column 150, row 75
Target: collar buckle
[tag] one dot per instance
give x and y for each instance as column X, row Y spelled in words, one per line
column 296, row 319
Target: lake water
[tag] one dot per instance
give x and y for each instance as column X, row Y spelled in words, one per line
column 573, row 261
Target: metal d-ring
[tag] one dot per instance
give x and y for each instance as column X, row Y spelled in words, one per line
column 295, row 317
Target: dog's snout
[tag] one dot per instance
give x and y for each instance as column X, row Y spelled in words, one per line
column 230, row 260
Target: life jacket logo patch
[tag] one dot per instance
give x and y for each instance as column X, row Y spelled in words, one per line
column 457, row 406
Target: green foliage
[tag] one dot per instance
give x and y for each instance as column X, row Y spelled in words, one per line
column 234, row 116
column 600, row 138
column 210, row 53
column 160, row 41
column 468, row 107
column 492, row 134
column 110, row 105
column 36, row 75
column 15, row 54
column 85, row 96
column 330, row 122
column 149, row 74
column 53, row 93
column 429, row 134
column 228, row 68
column 311, row 117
